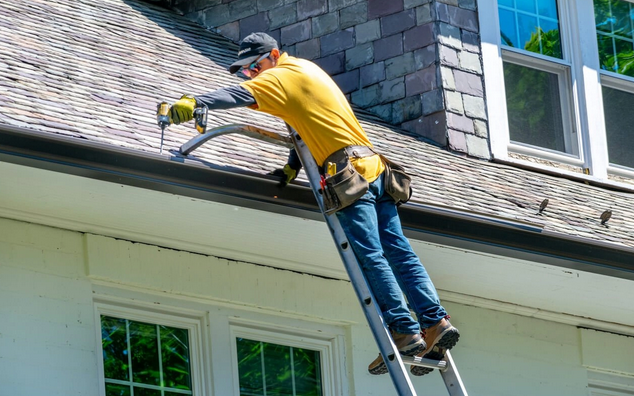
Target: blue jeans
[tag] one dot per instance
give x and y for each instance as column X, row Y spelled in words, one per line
column 390, row 265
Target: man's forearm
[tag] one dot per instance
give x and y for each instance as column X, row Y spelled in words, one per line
column 227, row 98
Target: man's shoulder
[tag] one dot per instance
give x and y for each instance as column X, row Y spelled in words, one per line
column 292, row 61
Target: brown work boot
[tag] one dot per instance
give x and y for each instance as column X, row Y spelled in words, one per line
column 439, row 338
column 407, row 345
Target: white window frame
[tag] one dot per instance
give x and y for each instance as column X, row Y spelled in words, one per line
column 330, row 348
column 164, row 316
column 580, row 49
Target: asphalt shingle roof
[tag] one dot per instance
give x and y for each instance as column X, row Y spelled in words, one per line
column 95, row 70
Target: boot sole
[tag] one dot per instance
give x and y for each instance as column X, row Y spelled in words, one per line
column 382, row 368
column 445, row 341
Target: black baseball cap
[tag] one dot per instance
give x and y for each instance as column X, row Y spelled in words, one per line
column 251, row 48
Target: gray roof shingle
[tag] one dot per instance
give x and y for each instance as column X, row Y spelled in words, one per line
column 95, row 70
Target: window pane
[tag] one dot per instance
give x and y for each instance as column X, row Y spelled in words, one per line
column 175, row 355
column 277, row 365
column 619, row 118
column 529, row 39
column 551, row 44
column 250, row 367
column 624, row 57
column 145, row 359
column 307, row 372
column 615, row 21
column 622, row 19
column 117, row 390
column 508, row 29
column 115, row 348
column 534, row 24
column 534, row 107
column 607, row 59
column 506, row 3
column 602, row 16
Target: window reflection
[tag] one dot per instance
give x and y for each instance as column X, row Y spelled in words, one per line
column 278, row 370
column 145, row 358
column 615, row 35
column 532, row 25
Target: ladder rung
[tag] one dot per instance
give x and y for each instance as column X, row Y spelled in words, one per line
column 422, row 362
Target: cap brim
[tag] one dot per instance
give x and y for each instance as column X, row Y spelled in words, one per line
column 237, row 65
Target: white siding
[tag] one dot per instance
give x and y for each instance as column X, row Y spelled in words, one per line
column 50, row 278
column 47, row 333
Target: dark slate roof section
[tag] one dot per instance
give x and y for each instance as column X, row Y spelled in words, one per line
column 95, row 70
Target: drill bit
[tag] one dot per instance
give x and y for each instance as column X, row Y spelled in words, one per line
column 163, row 119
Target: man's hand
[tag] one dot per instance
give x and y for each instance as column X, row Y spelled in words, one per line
column 183, row 109
column 287, row 174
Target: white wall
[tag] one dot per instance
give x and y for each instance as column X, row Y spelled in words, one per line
column 50, row 280
column 47, row 338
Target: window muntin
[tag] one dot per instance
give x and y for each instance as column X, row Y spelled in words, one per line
column 267, row 369
column 531, row 25
column 143, row 358
column 615, row 35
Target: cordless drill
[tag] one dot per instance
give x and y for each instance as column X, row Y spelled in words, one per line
column 163, row 118
column 200, row 117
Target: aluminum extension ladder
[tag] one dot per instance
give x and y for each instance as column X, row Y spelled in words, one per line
column 395, row 362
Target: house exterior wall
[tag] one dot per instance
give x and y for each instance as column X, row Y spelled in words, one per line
column 414, row 63
column 54, row 283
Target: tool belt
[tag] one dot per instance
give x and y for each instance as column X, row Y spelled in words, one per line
column 342, row 185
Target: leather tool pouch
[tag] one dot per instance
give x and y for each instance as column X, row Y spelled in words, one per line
column 397, row 181
column 346, row 185
column 344, row 188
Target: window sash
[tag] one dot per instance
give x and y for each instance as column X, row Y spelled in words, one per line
column 328, row 348
column 133, row 382
column 570, row 137
column 580, row 44
column 518, row 15
column 164, row 317
column 294, row 381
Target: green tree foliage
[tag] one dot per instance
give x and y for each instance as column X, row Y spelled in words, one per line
column 265, row 365
column 143, row 356
column 614, row 21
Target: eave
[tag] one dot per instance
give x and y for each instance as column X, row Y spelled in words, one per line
column 175, row 174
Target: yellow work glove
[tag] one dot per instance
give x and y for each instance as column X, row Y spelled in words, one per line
column 183, row 109
column 287, row 174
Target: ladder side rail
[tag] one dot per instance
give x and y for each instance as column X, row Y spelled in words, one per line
column 388, row 349
column 451, row 377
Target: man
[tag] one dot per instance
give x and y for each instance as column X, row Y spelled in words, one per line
column 307, row 99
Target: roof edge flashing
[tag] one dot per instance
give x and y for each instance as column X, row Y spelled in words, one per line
column 423, row 221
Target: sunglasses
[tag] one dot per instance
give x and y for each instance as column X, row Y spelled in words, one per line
column 255, row 66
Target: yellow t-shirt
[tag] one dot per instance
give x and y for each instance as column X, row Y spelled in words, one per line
column 306, row 98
